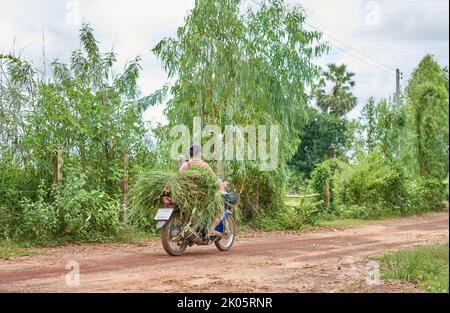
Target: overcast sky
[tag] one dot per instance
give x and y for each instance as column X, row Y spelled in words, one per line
column 371, row 37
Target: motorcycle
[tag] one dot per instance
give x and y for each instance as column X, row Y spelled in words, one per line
column 177, row 235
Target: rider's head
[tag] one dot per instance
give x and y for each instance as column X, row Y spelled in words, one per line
column 195, row 151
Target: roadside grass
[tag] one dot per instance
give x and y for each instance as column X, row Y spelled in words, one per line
column 290, row 219
column 426, row 266
column 332, row 221
column 9, row 250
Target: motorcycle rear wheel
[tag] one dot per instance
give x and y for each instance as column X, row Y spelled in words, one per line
column 168, row 234
column 229, row 235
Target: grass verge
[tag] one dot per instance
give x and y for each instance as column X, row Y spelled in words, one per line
column 426, row 266
column 8, row 251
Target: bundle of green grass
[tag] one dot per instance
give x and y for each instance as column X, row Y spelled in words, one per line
column 194, row 190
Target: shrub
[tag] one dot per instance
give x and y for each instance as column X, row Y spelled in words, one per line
column 296, row 182
column 262, row 191
column 351, row 211
column 85, row 214
column 39, row 219
column 376, row 186
column 308, row 210
column 446, row 187
column 425, row 194
column 63, row 213
column 290, row 217
column 373, row 183
column 328, row 169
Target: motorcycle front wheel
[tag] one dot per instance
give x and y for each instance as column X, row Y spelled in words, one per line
column 171, row 236
column 229, row 234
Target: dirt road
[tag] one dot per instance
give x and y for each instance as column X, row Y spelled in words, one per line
column 322, row 260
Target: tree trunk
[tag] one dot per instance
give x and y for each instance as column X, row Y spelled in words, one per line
column 125, row 186
column 57, row 165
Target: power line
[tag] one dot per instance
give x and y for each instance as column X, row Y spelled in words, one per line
column 388, row 2
column 361, row 59
column 401, row 39
column 374, row 83
column 412, row 48
column 388, row 14
column 383, row 67
column 351, row 48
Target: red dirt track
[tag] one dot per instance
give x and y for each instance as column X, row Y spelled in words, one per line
column 322, row 260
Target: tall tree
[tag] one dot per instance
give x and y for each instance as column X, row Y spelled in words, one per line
column 334, row 90
column 382, row 123
column 93, row 113
column 428, row 96
column 370, row 124
column 324, row 136
column 242, row 69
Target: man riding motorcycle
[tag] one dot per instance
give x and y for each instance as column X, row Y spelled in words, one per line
column 196, row 160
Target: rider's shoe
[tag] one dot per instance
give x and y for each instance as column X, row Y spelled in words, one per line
column 217, row 234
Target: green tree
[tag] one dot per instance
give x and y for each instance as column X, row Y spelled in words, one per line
column 370, row 124
column 324, row 136
column 382, row 124
column 338, row 100
column 94, row 114
column 17, row 96
column 427, row 93
column 242, row 69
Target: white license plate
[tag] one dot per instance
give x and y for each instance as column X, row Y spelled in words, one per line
column 163, row 214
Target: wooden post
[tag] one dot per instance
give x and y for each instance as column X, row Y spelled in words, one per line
column 327, row 193
column 125, row 186
column 57, row 164
column 255, row 213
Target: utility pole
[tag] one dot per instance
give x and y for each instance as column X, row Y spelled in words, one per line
column 397, row 89
column 397, row 105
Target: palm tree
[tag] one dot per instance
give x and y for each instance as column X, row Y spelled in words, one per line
column 339, row 100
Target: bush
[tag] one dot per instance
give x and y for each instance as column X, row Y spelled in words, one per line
column 85, row 214
column 351, row 211
column 425, row 194
column 328, row 169
column 39, row 219
column 296, row 182
column 446, row 187
column 290, row 217
column 376, row 186
column 262, row 191
column 63, row 213
column 373, row 183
